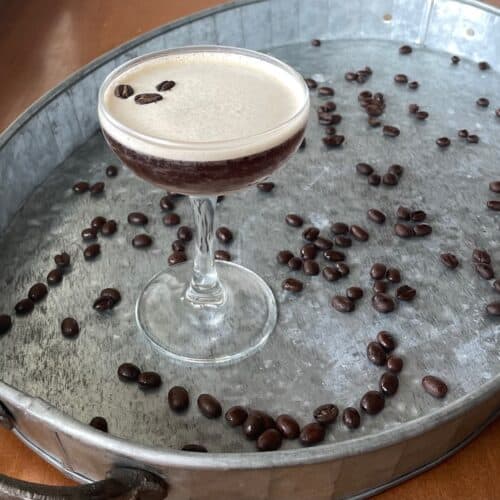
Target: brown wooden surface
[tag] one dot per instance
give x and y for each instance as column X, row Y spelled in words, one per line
column 44, row 41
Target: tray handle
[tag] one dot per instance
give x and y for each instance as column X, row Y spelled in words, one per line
column 121, row 483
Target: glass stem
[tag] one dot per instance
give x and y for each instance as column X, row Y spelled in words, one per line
column 205, row 289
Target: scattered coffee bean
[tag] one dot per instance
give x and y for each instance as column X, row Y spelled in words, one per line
column 137, row 219
column 178, row 246
column 403, row 213
column 359, row 233
column 334, row 255
column 292, row 285
column 149, row 380
column 312, row 434
column 142, row 241
column 406, row 293
column 394, row 364
column 294, row 220
column 99, row 423
column 92, row 251
column 185, row 233
column 5, row 323
column 413, row 108
column 331, row 274
column 269, row 440
column 311, row 84
column 166, row 203
column 378, row 270
column 236, row 416
column 422, row 230
column 253, row 426
column 350, row 76
column 405, row 50
column 62, row 260
column 323, row 243
column 89, row 234
column 329, row 106
column 383, row 303
column 380, row 286
column 455, row 59
column 54, row 277
column 390, row 131
column 472, row 139
column 109, row 228
column 374, row 122
column 480, row 256
column 493, row 309
column 81, row 187
column 269, row 422
column 443, row 142
column 421, row 115
column 288, row 426
column 413, row 85
column 396, row 169
column 147, row 98
column 178, row 399
column 333, row 140
column 388, row 383
column 342, row 241
column 326, row 414
column 342, row 268
column 98, row 222
column 483, row 102
column 354, row 292
column 351, row 418
column 70, row 327
column 310, row 233
column 265, row 187
column 434, row 386
column 386, row 340
column 222, row 255
column 389, row 179
column 376, row 354
column 493, row 205
column 113, row 294
column 309, row 251
column 166, row 85
column 463, row 133
column 315, row 42
column 128, row 372
column 171, row 219
column 483, row 65
column 374, row 179
column 393, row 275
column 284, row 256
column 196, row 448
column 418, row 216
column 325, row 91
column 123, row 91
column 449, row 260
column 24, row 306
column 496, row 285
column 403, row 231
column 485, row 271
column 401, row 78
column 339, row 228
column 176, row 257
column 364, row 169
column 372, row 402
column 97, row 188
column 311, row 268
column 295, row 263
column 37, row 292
column 342, row 304
column 224, row 234
column 102, row 304
column 111, row 171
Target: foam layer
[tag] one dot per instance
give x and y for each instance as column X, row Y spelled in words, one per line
column 218, row 96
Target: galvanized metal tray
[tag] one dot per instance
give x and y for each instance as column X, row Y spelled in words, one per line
column 53, row 386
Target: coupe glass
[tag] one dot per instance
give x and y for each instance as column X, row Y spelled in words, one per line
column 207, row 311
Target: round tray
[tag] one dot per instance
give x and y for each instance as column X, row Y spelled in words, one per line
column 315, row 355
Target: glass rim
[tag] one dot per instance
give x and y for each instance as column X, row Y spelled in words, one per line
column 178, row 144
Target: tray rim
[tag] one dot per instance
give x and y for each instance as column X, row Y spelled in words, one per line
column 45, row 412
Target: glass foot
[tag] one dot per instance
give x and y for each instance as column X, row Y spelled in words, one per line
column 207, row 335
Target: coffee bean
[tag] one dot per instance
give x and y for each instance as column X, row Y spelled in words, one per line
column 178, row 246
column 308, row 251
column 485, row 271
column 339, row 228
column 311, row 268
column 315, row 42
column 493, row 205
column 372, row 402
column 373, row 110
column 350, row 76
column 5, row 323
column 342, row 268
column 383, row 303
column 396, row 169
column 401, row 78
column 62, row 260
column 334, row 255
column 421, row 115
column 70, row 328
column 342, row 241
column 359, row 233
column 376, row 216
column 497, row 112
column 333, row 140
column 147, row 98
column 37, row 292
column 178, row 399
column 330, row 130
column 54, row 277
column 480, row 256
column 294, row 220
column 89, row 234
column 380, row 286
column 236, row 416
column 374, row 122
column 496, row 285
column 374, row 179
column 325, row 91
column 112, row 293
column 323, row 243
column 253, row 426
column 137, row 219
column 331, row 274
column 413, row 85
column 463, row 133
column 142, row 241
column 292, row 285
column 393, row 275
column 176, row 257
column 102, row 304
column 434, row 386
column 265, row 187
column 269, row 440
column 111, row 171
column 98, row 222
column 449, row 260
column 269, row 422
column 128, row 372
column 376, row 354
column 171, row 219
column 455, row 59
column 364, row 169
column 422, row 230
column 493, row 309
column 24, row 306
column 311, row 84
column 389, row 179
column 310, row 233
column 329, row 106
column 99, row 423
column 326, row 118
column 351, row 418
column 378, row 270
column 81, row 187
column 165, row 85
column 97, row 188
column 166, row 203
column 483, row 102
column 149, row 380
column 123, row 91
column 390, row 131
column 388, row 384
column 418, row 216
column 342, row 304
column 472, row 139
column 312, row 434
column 354, row 292
column 386, row 340
column 405, row 50
column 326, row 414
column 196, row 448
column 295, row 263
column 403, row 231
column 394, row 364
column 403, row 213
column 406, row 293
column 413, row 108
column 224, row 234
column 443, row 142
column 284, row 256
column 109, row 228
column 364, row 95
column 288, row 426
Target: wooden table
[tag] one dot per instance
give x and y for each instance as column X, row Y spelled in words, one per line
column 41, row 43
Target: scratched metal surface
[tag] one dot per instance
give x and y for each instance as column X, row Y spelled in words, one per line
column 316, row 354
